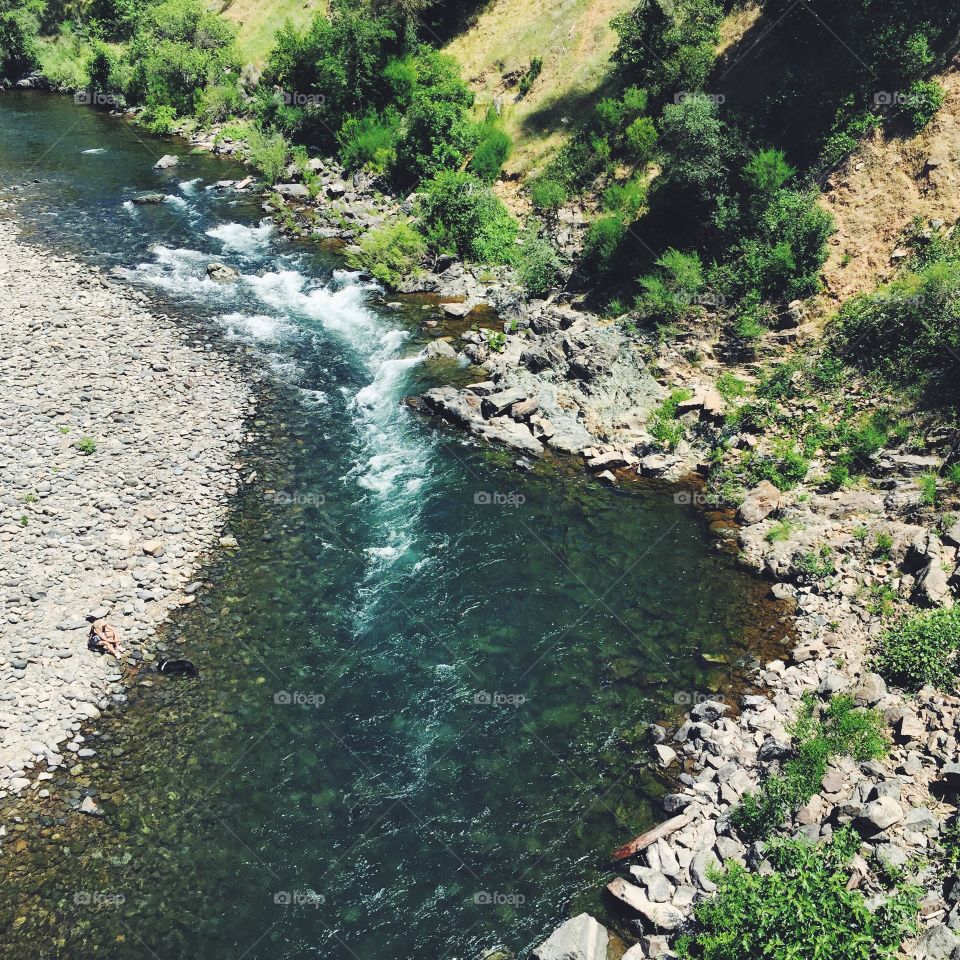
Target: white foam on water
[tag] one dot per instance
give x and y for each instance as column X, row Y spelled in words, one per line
column 235, row 236
column 189, row 187
column 129, row 206
column 94, row 150
column 259, row 327
column 172, row 198
column 179, row 271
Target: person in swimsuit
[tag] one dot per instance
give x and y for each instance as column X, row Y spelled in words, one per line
column 105, row 639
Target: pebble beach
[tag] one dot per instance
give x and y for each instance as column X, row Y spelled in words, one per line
column 119, row 438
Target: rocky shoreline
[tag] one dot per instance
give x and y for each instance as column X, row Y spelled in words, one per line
column 563, row 380
column 121, row 435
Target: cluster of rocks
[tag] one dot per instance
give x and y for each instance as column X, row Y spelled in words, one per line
column 900, row 806
column 119, row 443
column 558, row 380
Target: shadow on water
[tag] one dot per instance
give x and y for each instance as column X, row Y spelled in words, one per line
column 424, row 675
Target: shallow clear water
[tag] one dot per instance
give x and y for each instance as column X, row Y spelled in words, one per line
column 424, row 674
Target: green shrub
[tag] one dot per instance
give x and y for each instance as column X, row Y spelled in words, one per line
column 389, row 252
column 547, row 195
column 767, row 172
column 219, row 102
column 537, row 263
column 603, row 239
column 921, row 649
column 884, row 544
column 19, row 31
column 159, row 119
column 86, row 445
column 670, row 294
column 113, row 19
column 698, row 153
column 923, row 101
column 801, row 909
column 730, row 387
column 437, row 132
column 843, row 730
column 668, row 48
column 268, row 153
column 338, row 61
column 784, row 468
column 179, row 48
column 530, row 77
column 664, row 426
column 627, row 198
column 908, row 331
column 928, row 488
column 492, row 151
column 814, row 565
column 370, row 142
column 464, row 217
column 641, row 139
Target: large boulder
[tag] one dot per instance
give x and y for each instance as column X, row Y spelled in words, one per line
column 580, row 938
column 759, row 503
column 292, row 191
column 167, row 161
column 220, row 273
column 932, row 587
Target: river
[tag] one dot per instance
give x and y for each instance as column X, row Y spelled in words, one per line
column 424, row 673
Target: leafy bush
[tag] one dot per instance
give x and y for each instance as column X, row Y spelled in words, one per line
column 437, row 132
column 370, row 142
column 179, row 48
column 671, row 293
column 801, row 909
column 641, row 139
column 664, row 426
column 923, row 101
column 668, row 49
column 159, row 119
column 627, row 198
column 268, row 153
column 602, row 240
column 537, row 263
column 767, row 172
column 462, row 216
column 113, row 19
column 693, row 138
column 908, row 331
column 547, row 195
column 530, row 77
column 843, row 729
column 219, row 102
column 922, row 649
column 338, row 61
column 389, row 252
column 19, row 29
column 493, row 149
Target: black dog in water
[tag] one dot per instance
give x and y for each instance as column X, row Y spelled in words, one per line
column 177, row 668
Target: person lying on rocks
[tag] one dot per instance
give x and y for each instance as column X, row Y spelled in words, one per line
column 105, row 639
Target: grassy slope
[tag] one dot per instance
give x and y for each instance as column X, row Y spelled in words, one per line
column 575, row 41
column 259, row 21
column 572, row 36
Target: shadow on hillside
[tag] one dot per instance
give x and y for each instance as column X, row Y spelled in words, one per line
column 564, row 111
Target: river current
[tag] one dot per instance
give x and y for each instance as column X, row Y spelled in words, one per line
column 425, row 673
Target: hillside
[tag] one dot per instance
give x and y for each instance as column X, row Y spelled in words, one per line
column 574, row 39
column 258, row 22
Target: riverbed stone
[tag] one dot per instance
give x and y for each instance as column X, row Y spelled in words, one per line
column 580, row 938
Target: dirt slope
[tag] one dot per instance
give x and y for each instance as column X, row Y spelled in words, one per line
column 883, row 186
